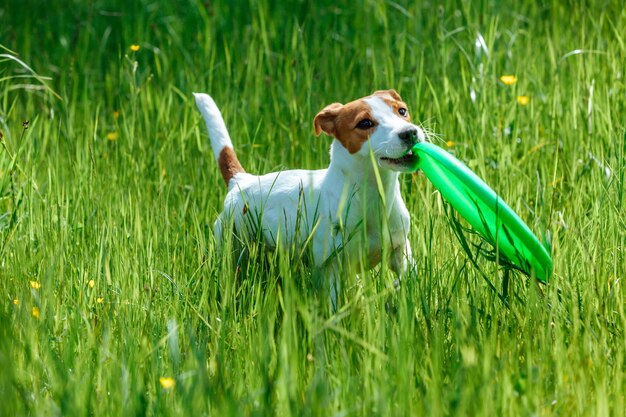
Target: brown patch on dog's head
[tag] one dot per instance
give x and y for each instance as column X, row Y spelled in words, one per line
column 393, row 100
column 390, row 93
column 341, row 122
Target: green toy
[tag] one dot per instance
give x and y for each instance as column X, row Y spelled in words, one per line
column 484, row 210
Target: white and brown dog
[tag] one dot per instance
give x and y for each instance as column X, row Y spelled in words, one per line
column 352, row 210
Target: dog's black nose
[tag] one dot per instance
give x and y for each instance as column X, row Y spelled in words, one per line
column 409, row 136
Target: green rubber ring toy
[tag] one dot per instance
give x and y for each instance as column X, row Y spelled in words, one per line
column 484, row 210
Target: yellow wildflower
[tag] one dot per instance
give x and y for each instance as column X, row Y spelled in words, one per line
column 112, row 136
column 16, row 301
column 167, row 382
column 91, row 283
column 35, row 285
column 523, row 100
column 116, row 114
column 135, row 48
column 508, row 79
column 99, row 300
column 35, row 312
column 449, row 144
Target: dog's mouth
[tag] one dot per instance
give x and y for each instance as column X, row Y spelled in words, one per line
column 408, row 160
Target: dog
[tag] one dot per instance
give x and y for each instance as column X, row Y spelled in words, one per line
column 350, row 211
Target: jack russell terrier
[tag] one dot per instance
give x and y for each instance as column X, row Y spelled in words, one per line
column 351, row 211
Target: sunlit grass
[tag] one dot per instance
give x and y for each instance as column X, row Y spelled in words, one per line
column 117, row 302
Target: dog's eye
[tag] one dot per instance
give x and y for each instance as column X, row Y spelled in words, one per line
column 403, row 112
column 365, row 124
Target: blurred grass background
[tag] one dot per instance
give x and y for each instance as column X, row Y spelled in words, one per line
column 114, row 300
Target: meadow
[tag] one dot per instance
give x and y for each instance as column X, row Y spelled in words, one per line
column 115, row 300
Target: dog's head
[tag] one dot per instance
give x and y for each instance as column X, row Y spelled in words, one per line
column 380, row 122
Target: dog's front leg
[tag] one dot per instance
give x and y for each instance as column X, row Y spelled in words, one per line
column 401, row 260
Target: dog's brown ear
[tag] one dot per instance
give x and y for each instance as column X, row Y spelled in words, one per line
column 392, row 93
column 325, row 119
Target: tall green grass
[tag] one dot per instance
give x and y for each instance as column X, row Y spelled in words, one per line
column 108, row 197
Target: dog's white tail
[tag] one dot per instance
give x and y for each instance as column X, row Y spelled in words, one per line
column 220, row 139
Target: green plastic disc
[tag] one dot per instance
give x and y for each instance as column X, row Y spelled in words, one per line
column 484, row 210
